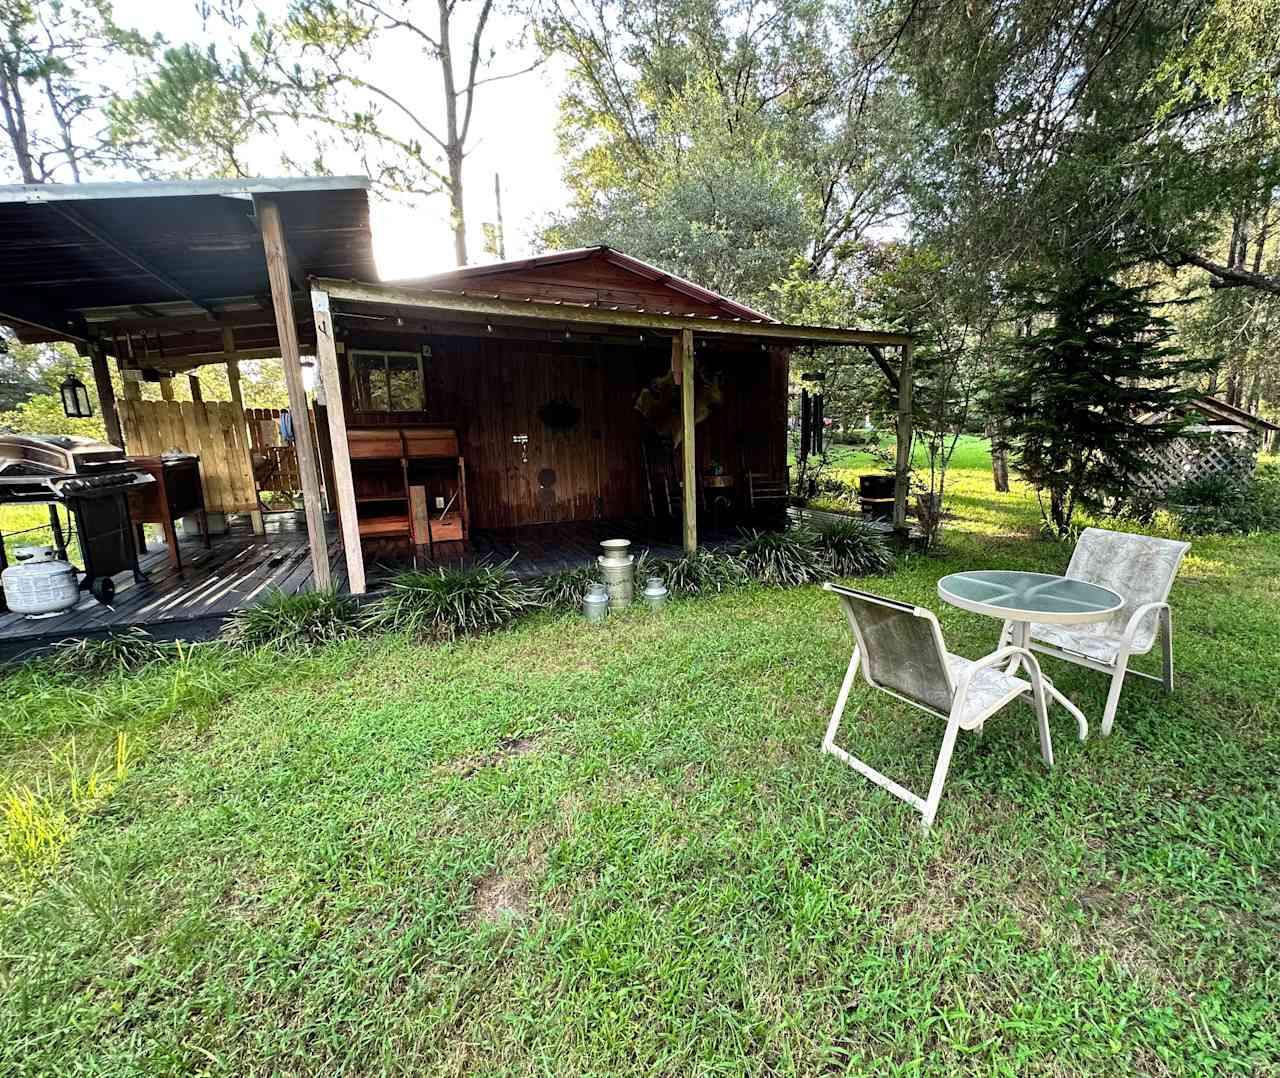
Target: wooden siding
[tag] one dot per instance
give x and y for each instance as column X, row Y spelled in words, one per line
column 491, row 390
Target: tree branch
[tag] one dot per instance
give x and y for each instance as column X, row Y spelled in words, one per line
column 1226, row 276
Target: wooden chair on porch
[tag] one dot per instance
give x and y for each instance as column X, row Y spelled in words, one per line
column 768, row 493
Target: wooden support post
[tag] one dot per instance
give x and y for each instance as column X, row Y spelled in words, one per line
column 194, row 381
column 273, row 240
column 903, row 463
column 237, row 398
column 343, row 496
column 166, row 389
column 106, row 396
column 132, row 390
column 688, row 421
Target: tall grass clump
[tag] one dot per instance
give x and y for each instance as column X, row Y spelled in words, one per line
column 703, row 572
column 784, row 559
column 129, row 651
column 855, row 547
column 443, row 603
column 284, row 621
column 564, row 590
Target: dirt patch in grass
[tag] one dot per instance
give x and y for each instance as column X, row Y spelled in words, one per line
column 509, row 748
column 500, row 898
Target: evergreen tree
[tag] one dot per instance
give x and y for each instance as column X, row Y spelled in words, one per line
column 1090, row 392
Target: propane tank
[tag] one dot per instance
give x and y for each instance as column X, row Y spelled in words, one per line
column 40, row 585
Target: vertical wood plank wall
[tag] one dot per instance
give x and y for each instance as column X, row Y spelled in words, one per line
column 213, row 429
column 491, row 389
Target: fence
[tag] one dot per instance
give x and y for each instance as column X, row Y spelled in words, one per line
column 1203, row 453
column 213, row 429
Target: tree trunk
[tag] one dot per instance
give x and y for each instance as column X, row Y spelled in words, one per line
column 457, row 217
column 15, row 123
column 453, row 140
column 999, row 455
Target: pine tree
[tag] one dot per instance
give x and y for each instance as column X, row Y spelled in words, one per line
column 1082, row 389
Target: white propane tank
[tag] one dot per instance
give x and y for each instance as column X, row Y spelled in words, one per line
column 39, row 583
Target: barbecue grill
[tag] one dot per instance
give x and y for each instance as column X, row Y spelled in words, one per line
column 93, row 480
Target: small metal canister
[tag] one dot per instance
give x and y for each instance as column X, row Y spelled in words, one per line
column 595, row 604
column 655, row 593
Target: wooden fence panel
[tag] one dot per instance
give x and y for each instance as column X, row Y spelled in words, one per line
column 215, row 430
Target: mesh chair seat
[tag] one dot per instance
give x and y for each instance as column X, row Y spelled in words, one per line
column 1101, row 647
column 990, row 689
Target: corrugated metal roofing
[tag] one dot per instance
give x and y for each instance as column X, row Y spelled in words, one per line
column 76, row 258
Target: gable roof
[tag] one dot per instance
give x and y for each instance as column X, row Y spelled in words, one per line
column 598, row 275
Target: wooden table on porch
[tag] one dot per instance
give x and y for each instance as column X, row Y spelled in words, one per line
column 175, row 493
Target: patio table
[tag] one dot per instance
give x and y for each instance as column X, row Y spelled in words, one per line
column 1022, row 598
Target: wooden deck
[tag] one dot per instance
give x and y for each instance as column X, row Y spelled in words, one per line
column 235, row 572
column 240, row 567
column 541, row 549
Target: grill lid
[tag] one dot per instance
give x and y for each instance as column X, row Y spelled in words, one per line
column 52, row 455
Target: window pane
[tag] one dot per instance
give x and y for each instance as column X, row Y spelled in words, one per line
column 371, row 381
column 405, row 384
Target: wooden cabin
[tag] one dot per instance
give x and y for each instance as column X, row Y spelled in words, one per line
column 548, row 424
column 566, row 389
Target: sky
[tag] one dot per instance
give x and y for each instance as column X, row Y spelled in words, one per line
column 512, row 134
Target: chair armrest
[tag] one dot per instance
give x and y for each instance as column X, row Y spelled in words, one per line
column 999, row 656
column 1131, row 629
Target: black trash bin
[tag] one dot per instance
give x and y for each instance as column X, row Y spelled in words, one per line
column 875, row 493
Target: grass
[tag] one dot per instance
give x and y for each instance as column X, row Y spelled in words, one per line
column 608, row 849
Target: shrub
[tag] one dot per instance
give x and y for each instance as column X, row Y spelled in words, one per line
column 855, row 547
column 284, row 621
column 442, row 603
column 701, row 573
column 1219, row 504
column 129, row 651
column 564, row 591
column 784, row 559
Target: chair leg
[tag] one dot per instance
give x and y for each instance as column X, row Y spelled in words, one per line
column 1042, row 711
column 834, row 725
column 1113, row 697
column 1166, row 647
column 940, row 772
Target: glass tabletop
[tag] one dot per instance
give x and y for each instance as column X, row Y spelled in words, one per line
column 1028, row 596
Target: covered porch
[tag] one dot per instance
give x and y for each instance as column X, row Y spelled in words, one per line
column 159, row 281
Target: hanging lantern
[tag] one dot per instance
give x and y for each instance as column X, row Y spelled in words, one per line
column 75, row 398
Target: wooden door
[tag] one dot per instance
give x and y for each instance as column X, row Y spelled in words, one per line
column 553, row 468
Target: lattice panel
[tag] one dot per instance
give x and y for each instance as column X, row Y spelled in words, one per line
column 1186, row 459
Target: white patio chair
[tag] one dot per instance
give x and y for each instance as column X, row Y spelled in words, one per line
column 901, row 652
column 1140, row 569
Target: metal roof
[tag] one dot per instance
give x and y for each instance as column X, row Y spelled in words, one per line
column 80, row 261
column 479, row 306
column 452, row 279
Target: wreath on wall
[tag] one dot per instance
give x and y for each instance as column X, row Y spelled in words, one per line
column 560, row 415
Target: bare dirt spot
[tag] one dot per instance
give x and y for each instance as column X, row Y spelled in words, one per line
column 508, row 748
column 499, row 899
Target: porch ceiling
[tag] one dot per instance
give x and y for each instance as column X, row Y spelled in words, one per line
column 154, row 272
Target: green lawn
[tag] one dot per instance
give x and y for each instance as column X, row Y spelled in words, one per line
column 569, row 849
